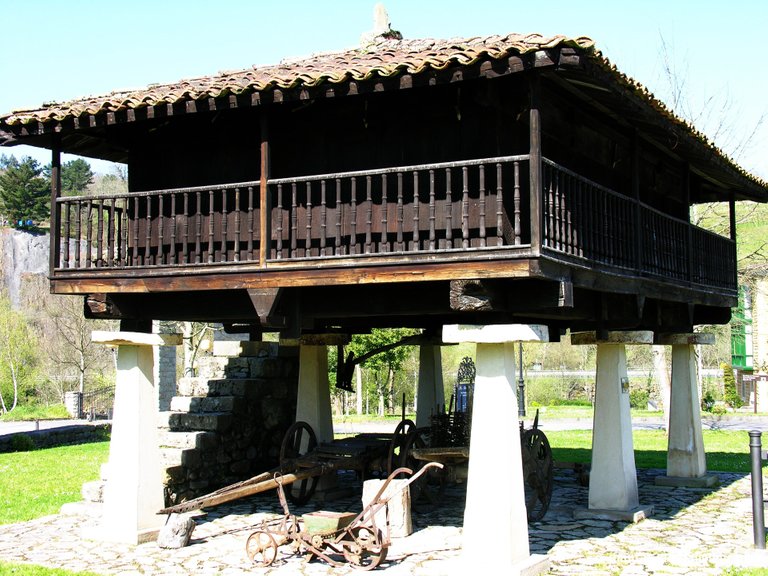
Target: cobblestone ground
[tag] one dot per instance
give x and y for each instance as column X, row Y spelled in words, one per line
column 692, row 531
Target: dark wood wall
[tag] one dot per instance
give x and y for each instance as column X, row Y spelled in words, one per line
column 475, row 119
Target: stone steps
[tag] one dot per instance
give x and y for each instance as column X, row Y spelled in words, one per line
column 205, row 422
column 239, row 387
column 186, row 440
column 201, row 404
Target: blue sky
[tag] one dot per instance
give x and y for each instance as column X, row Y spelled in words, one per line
column 56, row 50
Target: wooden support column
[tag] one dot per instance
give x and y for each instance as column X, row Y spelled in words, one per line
column 55, row 225
column 613, row 478
column 638, row 219
column 265, row 232
column 686, row 460
column 535, row 175
column 732, row 225
column 134, row 490
column 495, row 516
column 430, row 397
column 689, row 229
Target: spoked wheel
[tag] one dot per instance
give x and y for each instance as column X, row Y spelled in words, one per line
column 366, row 550
column 414, row 441
column 299, row 441
column 261, row 548
column 397, row 445
column 537, row 473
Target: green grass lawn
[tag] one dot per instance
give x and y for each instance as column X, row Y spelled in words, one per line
column 727, row 450
column 37, row 483
column 7, row 568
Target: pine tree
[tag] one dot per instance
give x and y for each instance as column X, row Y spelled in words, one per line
column 24, row 194
column 730, row 394
column 76, row 175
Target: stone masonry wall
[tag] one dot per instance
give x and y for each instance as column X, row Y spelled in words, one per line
column 226, row 425
column 62, row 436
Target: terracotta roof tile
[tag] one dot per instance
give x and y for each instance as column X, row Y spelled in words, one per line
column 384, row 58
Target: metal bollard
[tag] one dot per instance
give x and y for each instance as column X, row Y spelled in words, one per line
column 758, row 507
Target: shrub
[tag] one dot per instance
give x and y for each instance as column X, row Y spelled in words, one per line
column 638, row 398
column 707, row 401
column 731, row 396
column 22, row 443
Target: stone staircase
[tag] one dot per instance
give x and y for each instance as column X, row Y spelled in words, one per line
column 225, row 425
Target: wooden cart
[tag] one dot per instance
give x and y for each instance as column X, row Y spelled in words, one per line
column 303, row 461
column 427, row 445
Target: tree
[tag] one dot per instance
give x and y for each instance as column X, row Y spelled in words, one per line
column 72, row 350
column 730, row 394
column 24, row 194
column 76, row 176
column 18, row 356
column 384, row 364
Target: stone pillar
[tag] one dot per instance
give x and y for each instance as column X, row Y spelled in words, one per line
column 686, row 460
column 134, row 490
column 430, row 397
column 495, row 518
column 165, row 366
column 613, row 477
column 313, row 404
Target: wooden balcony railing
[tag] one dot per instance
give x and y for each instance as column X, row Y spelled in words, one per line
column 585, row 220
column 437, row 210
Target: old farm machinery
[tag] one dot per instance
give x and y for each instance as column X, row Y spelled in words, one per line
column 303, row 460
column 358, row 540
column 447, row 441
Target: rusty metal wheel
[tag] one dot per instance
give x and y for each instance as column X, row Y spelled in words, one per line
column 261, row 548
column 397, row 444
column 299, row 440
column 537, row 472
column 366, row 550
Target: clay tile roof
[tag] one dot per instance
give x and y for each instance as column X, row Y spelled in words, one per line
column 382, row 59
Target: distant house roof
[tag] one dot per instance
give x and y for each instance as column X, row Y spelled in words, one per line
column 387, row 60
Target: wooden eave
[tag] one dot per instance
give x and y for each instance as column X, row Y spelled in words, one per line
column 583, row 74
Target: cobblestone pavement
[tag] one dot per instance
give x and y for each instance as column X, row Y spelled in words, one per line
column 692, row 531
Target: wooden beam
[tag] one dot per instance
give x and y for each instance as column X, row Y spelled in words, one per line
column 264, row 204
column 535, row 166
column 55, row 251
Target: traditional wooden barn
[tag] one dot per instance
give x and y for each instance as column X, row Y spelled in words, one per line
column 485, row 184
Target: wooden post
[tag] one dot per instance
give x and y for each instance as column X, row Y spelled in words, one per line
column 689, row 228
column 732, row 226
column 55, row 228
column 636, row 197
column 535, row 168
column 265, row 232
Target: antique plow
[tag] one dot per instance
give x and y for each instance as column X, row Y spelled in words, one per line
column 361, row 542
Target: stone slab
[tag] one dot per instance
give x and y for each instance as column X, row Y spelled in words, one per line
column 706, row 481
column 531, row 566
column 634, row 515
column 617, row 337
column 698, row 338
column 111, row 338
column 495, row 333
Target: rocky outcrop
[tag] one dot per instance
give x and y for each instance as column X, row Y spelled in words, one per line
column 22, row 254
